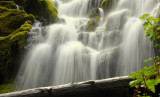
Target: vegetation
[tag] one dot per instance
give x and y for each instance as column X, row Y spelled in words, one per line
column 106, row 4
column 14, row 26
column 5, row 88
column 148, row 78
column 8, row 4
column 11, row 19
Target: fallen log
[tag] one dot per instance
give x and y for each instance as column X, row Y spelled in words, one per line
column 112, row 87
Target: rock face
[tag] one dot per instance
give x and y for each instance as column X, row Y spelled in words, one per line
column 113, row 87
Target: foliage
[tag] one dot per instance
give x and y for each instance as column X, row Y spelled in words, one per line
column 5, row 88
column 11, row 46
column 148, row 77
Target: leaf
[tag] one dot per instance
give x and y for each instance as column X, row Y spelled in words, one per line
column 149, row 32
column 156, row 45
column 146, row 25
column 153, row 37
column 158, row 28
column 152, row 26
column 158, row 37
column 139, row 92
column 144, row 16
column 150, row 18
column 135, row 83
column 157, row 81
column 156, row 20
column 151, row 85
column 146, row 61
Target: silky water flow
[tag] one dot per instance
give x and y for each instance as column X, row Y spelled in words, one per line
column 65, row 52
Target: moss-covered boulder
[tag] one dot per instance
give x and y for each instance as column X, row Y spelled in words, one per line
column 94, row 19
column 94, row 12
column 91, row 26
column 11, row 19
column 40, row 9
column 8, row 4
column 14, row 26
column 10, row 50
column 48, row 10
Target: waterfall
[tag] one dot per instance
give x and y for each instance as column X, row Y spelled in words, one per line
column 67, row 53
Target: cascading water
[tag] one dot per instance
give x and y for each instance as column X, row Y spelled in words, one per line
column 67, row 53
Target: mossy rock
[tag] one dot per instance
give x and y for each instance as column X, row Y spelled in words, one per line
column 44, row 9
column 11, row 19
column 92, row 25
column 11, row 47
column 94, row 12
column 4, row 56
column 14, row 26
column 106, row 4
column 19, row 39
column 8, row 4
column 94, row 19
column 48, row 10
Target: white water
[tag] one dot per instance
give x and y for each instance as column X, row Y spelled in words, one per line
column 67, row 53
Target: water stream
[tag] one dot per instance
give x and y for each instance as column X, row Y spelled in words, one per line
column 66, row 53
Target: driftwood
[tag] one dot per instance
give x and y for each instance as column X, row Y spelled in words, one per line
column 112, row 87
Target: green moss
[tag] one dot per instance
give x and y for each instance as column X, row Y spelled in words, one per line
column 11, row 19
column 5, row 88
column 8, row 4
column 14, row 26
column 11, row 46
column 91, row 26
column 19, row 39
column 94, row 19
column 3, row 9
column 106, row 4
column 48, row 10
column 26, row 26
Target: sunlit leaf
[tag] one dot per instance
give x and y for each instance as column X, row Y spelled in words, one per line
column 158, row 28
column 156, row 20
column 153, row 37
column 156, row 45
column 151, row 85
column 146, row 61
column 150, row 18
